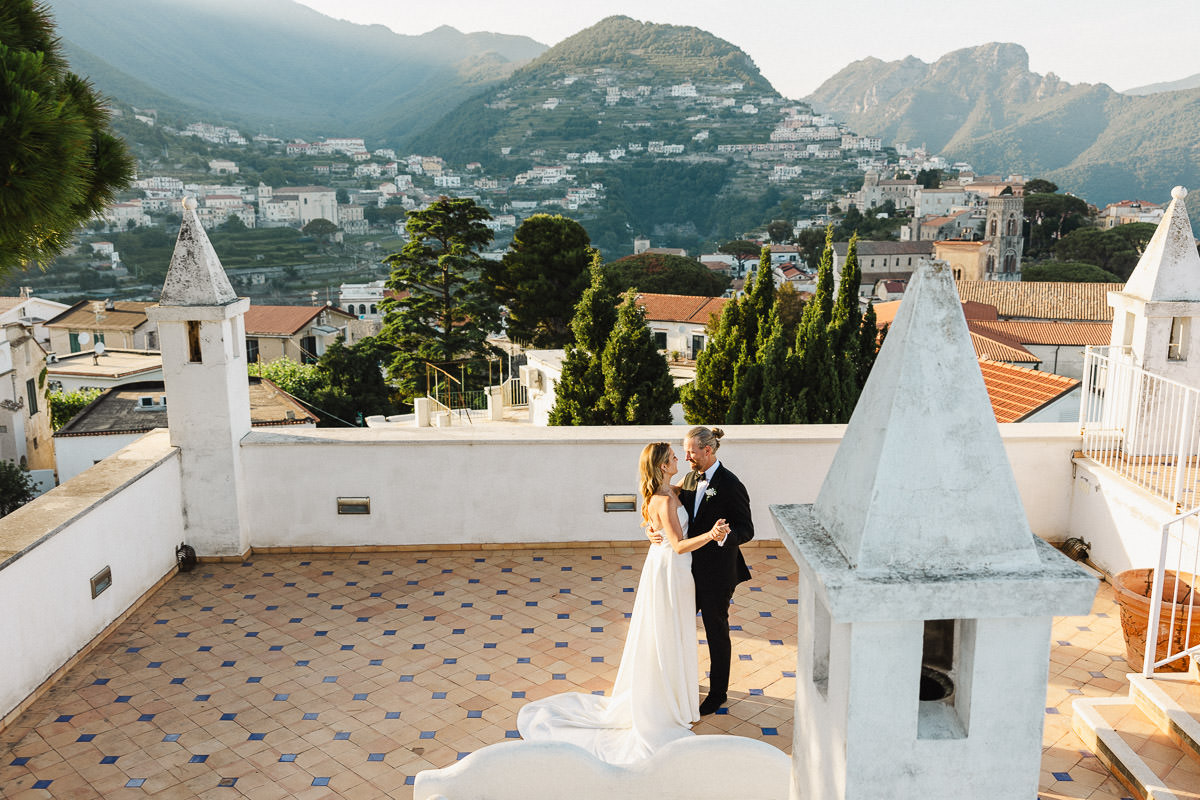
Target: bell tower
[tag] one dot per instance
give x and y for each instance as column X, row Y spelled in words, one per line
column 201, row 331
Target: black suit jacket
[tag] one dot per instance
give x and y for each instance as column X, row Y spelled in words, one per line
column 715, row 567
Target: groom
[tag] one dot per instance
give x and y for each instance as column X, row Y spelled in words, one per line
column 711, row 493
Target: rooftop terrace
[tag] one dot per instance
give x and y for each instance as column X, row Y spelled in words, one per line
column 309, row 675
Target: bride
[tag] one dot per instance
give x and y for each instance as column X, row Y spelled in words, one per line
column 655, row 697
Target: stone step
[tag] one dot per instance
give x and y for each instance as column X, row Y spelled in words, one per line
column 1172, row 702
column 1151, row 764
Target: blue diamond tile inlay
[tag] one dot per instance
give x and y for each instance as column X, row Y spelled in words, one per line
column 310, row 715
column 171, row 737
column 256, row 737
column 518, row 695
column 86, row 737
column 1061, row 776
column 427, row 734
column 134, row 783
column 20, row 761
column 375, row 757
column 287, row 758
column 198, row 759
column 109, row 760
column 474, row 714
column 281, row 697
column 42, row 784
column 341, row 736
column 392, row 715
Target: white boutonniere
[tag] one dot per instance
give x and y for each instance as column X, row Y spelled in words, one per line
column 710, row 493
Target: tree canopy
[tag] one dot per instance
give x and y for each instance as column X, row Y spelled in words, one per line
column 1116, row 250
column 664, row 274
column 441, row 311
column 541, row 278
column 1069, row 271
column 17, row 487
column 61, row 163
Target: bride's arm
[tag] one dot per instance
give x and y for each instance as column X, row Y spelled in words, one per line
column 664, row 511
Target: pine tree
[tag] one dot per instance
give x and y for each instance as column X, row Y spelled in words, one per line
column 581, row 387
column 707, row 398
column 442, row 312
column 61, row 164
column 638, row 389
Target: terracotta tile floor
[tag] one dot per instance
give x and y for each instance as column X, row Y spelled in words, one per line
column 342, row 677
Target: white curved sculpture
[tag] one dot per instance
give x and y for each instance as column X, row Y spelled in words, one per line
column 694, row 768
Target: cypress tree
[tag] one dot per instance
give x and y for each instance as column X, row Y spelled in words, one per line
column 845, row 328
column 820, row 399
column 581, row 387
column 819, row 310
column 745, row 401
column 868, row 346
column 759, row 303
column 707, row 398
column 780, row 384
column 638, row 389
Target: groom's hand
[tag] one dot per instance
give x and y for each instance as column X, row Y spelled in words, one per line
column 654, row 536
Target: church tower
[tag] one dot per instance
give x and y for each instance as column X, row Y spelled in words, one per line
column 202, row 335
column 1004, row 233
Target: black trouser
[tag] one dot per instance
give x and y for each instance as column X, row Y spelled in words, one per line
column 714, row 610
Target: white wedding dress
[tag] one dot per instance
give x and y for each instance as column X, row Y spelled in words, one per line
column 655, row 699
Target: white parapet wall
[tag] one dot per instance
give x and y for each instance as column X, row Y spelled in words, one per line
column 123, row 515
column 505, row 484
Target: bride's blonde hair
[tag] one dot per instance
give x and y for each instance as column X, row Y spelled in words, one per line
column 650, row 477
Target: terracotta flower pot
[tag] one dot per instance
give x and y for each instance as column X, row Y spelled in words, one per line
column 1133, row 588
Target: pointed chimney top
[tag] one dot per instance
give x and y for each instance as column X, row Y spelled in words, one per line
column 1169, row 269
column 921, row 480
column 195, row 276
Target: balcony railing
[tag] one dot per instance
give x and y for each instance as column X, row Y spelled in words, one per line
column 1140, row 425
column 1175, row 581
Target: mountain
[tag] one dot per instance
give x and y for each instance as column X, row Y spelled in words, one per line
column 639, row 61
column 983, row 105
column 1190, row 82
column 278, row 62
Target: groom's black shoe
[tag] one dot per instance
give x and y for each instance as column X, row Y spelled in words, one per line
column 711, row 704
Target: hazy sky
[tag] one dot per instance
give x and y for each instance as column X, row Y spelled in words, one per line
column 797, row 44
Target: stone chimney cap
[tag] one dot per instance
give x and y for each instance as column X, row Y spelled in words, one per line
column 921, row 482
column 195, row 276
column 1169, row 269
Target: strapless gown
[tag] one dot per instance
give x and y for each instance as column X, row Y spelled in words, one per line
column 655, row 698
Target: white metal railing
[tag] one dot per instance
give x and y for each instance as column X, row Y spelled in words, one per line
column 1140, row 425
column 1181, row 549
column 515, row 393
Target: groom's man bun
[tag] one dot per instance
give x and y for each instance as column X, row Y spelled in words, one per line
column 706, row 437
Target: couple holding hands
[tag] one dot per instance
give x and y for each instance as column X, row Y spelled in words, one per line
column 693, row 564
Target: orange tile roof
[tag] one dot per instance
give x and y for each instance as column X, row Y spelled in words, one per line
column 1056, row 300
column 996, row 348
column 885, row 313
column 284, row 320
column 1017, row 392
column 681, row 307
column 1049, row 333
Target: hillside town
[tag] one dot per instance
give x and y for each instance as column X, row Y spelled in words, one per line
column 335, row 468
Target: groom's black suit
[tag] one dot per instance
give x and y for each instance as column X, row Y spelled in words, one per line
column 718, row 570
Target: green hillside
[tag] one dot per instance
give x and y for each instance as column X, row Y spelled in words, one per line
column 276, row 62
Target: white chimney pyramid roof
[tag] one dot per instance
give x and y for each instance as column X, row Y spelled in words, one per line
column 195, row 276
column 921, row 481
column 1169, row 269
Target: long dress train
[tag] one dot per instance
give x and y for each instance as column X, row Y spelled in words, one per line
column 655, row 698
